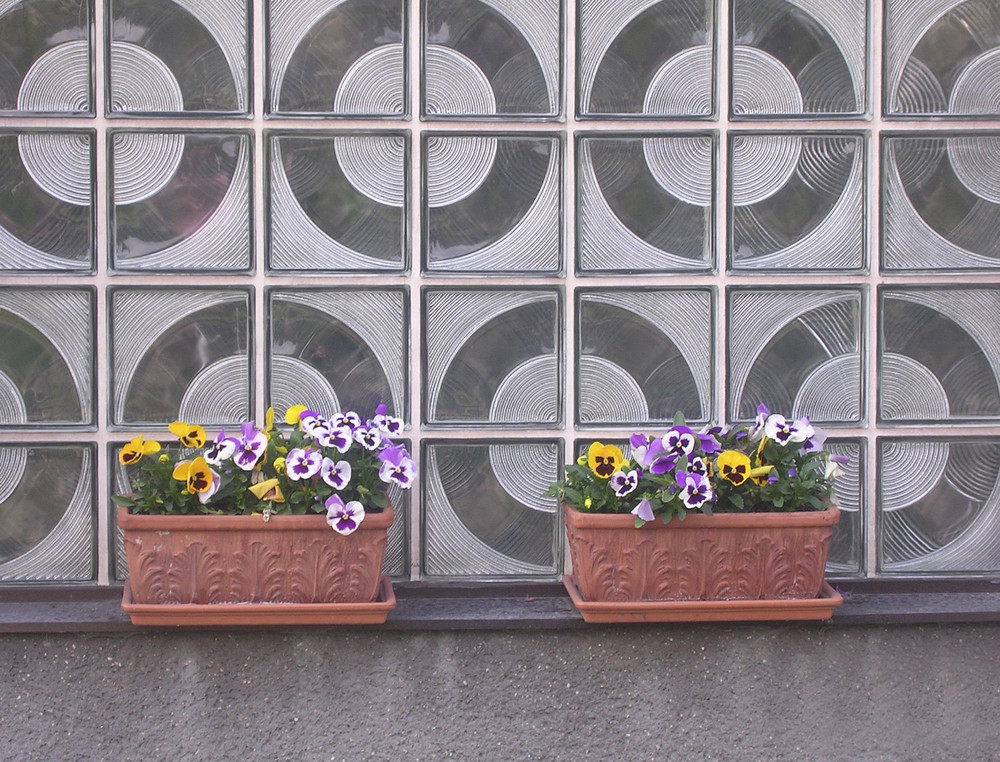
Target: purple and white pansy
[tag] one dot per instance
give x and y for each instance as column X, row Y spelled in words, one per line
column 337, row 475
column 344, row 517
column 396, row 468
column 624, row 482
column 250, row 446
column 303, row 463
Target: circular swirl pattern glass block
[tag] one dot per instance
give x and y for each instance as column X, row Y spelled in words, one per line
column 799, row 352
column 46, row 201
column 181, row 201
column 793, row 57
column 337, row 202
column 941, row 201
column 645, row 203
column 492, row 357
column 482, row 516
column 942, row 57
column 493, row 203
column 338, row 57
column 847, row 544
column 47, row 521
column 939, row 505
column 177, row 56
column 646, row 57
column 939, row 355
column 797, row 201
column 338, row 350
column 45, row 57
column 180, row 355
column 490, row 58
column 46, row 357
column 642, row 355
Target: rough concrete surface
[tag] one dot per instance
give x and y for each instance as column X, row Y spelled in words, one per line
column 789, row 692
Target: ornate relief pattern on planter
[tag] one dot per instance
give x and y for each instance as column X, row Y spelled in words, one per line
column 241, row 559
column 773, row 556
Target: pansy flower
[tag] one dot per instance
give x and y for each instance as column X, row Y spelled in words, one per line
column 222, row 448
column 294, row 414
column 815, row 441
column 624, row 483
column 268, row 490
column 643, row 511
column 134, row 451
column 190, row 436
column 344, row 518
column 756, row 431
column 337, row 475
column 396, row 468
column 833, row 466
column 695, row 490
column 196, row 474
column 604, row 459
column 388, row 425
column 778, row 429
column 338, row 437
column 368, row 437
column 346, row 418
column 699, row 465
column 302, row 464
column 734, row 466
column 680, row 440
column 250, row 447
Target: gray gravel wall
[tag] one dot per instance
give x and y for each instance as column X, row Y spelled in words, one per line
column 637, row 693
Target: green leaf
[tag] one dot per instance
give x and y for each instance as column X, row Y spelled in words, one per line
column 125, row 502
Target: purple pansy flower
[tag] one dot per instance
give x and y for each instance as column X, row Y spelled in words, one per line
column 386, row 423
column 624, row 483
column 778, row 429
column 337, row 475
column 337, row 437
column 757, row 430
column 643, row 511
column 302, row 464
column 250, row 447
column 695, row 490
column 221, row 449
column 396, row 466
column 348, row 418
column 368, row 437
column 815, row 442
column 680, row 440
column 344, row 518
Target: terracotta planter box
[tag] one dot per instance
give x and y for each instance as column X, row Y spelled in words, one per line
column 774, row 562
column 218, row 562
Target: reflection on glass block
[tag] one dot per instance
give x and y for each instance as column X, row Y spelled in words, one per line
column 797, row 352
column 180, row 355
column 338, row 350
column 939, row 505
column 493, row 203
column 47, row 523
column 337, row 203
column 492, row 357
column 797, row 201
column 645, row 203
column 673, row 370
column 646, row 57
column 46, row 356
column 482, row 514
column 846, row 554
column 46, row 190
column 172, row 56
column 181, row 201
column 798, row 57
column 45, row 56
column 336, row 57
column 491, row 57
column 939, row 358
column 941, row 202
column 942, row 57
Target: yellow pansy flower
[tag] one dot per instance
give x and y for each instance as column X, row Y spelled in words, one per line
column 191, row 436
column 293, row 413
column 604, row 459
column 134, row 450
column 196, row 473
column 734, row 466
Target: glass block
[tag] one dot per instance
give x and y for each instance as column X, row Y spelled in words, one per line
column 848, row 541
column 492, row 58
column 942, row 57
column 342, row 349
column 616, row 384
column 799, row 352
column 492, row 357
column 46, row 357
column 181, row 201
column 493, row 203
column 939, row 505
column 650, row 58
column 45, row 57
column 941, row 202
column 797, row 202
column 395, row 564
column 46, row 201
column 939, row 355
column 179, row 56
column 337, row 202
column 794, row 57
column 180, row 355
column 482, row 515
column 336, row 57
column 646, row 203
column 47, row 521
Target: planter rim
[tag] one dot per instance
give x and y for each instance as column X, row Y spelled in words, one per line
column 582, row 520
column 307, row 522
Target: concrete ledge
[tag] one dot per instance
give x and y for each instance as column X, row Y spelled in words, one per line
column 463, row 606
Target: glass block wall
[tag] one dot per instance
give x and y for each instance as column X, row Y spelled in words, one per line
column 520, row 224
